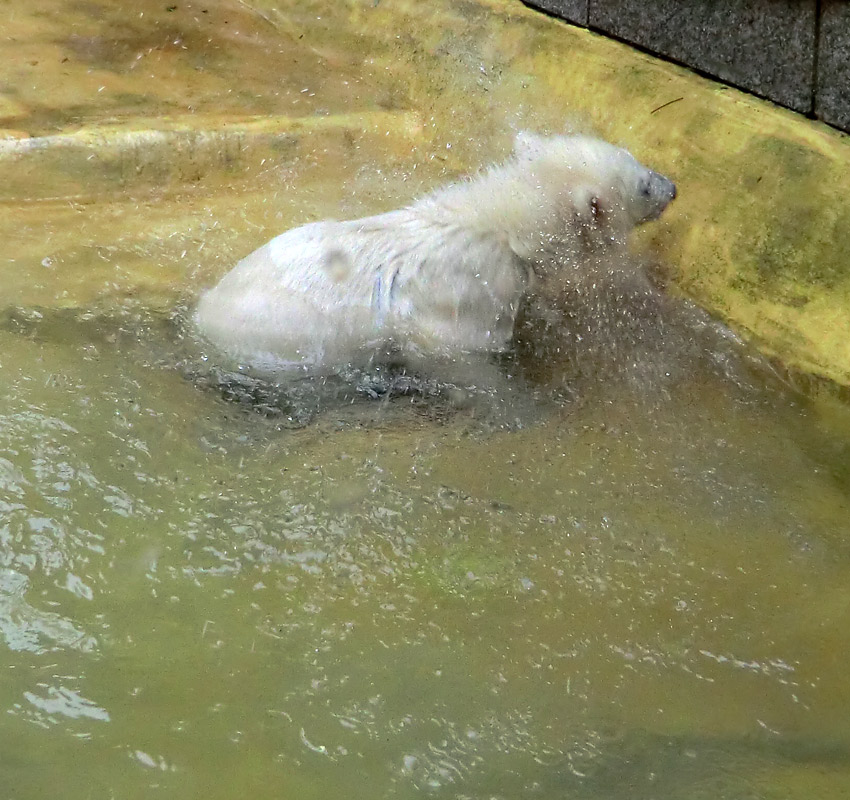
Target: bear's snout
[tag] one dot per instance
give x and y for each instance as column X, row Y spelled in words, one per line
column 663, row 189
column 661, row 192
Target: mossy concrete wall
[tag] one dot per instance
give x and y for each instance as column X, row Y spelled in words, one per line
column 207, row 128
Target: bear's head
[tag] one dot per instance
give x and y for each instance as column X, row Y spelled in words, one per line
column 597, row 185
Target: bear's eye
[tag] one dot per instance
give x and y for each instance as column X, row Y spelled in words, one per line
column 645, row 189
column 595, row 209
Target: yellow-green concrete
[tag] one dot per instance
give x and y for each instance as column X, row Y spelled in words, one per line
column 172, row 138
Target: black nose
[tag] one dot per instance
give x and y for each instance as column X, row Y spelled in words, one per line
column 668, row 188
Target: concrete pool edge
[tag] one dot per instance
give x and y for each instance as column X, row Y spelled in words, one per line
column 758, row 236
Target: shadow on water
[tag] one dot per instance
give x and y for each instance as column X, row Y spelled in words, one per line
column 643, row 766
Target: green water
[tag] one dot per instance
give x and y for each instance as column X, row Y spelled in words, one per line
column 643, row 594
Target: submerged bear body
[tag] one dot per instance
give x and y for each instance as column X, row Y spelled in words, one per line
column 332, row 294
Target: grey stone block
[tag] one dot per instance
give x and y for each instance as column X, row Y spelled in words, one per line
column 766, row 46
column 571, row 10
column 832, row 100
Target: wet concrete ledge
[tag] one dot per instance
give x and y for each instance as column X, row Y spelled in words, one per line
column 153, row 156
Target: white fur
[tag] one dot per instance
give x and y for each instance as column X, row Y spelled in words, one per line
column 440, row 278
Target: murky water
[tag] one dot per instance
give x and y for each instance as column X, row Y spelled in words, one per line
column 643, row 594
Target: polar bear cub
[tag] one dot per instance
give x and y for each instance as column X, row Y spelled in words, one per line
column 440, row 279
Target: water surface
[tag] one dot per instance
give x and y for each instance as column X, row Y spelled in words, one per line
column 641, row 594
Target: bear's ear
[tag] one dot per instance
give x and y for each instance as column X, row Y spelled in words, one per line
column 528, row 144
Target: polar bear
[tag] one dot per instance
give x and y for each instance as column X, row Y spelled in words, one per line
column 438, row 280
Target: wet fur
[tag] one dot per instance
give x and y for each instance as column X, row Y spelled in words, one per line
column 436, row 286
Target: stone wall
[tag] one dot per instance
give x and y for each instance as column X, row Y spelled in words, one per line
column 794, row 52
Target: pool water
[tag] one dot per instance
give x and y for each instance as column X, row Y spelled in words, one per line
column 640, row 593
